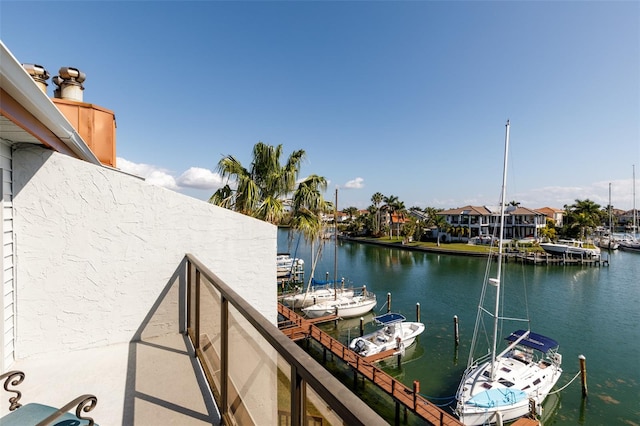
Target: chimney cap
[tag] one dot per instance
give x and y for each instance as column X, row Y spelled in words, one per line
column 73, row 74
column 36, row 70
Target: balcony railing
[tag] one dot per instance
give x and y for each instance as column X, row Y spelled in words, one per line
column 256, row 373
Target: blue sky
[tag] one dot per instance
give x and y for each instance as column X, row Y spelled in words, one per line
column 404, row 98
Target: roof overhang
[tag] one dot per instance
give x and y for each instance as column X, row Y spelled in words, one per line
column 28, row 108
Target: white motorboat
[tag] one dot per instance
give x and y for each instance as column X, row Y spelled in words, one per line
column 344, row 307
column 570, row 248
column 498, row 387
column 287, row 265
column 395, row 333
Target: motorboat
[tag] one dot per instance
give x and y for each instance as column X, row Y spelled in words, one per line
column 570, row 248
column 394, row 333
column 287, row 265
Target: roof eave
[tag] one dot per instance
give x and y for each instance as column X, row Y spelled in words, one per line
column 19, row 84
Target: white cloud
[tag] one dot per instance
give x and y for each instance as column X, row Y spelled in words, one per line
column 152, row 174
column 194, row 177
column 200, row 178
column 357, row 183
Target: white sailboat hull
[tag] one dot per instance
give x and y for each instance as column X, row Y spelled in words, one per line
column 312, row 297
column 483, row 401
column 343, row 307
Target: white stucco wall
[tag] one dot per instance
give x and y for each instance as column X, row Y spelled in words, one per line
column 95, row 248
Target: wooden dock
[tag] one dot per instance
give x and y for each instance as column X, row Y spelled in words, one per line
column 297, row 328
column 537, row 258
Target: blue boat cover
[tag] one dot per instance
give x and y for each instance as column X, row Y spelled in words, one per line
column 533, row 341
column 498, row 397
column 323, row 282
column 389, row 318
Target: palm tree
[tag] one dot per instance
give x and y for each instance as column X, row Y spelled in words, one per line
column 440, row 222
column 263, row 191
column 376, row 199
column 351, row 212
column 583, row 215
column 390, row 203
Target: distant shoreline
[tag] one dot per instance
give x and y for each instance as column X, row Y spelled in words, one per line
column 416, row 247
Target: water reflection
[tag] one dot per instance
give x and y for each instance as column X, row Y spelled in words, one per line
column 589, row 310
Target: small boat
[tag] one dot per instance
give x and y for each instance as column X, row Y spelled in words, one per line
column 501, row 386
column 344, row 307
column 394, row 333
column 629, row 245
column 287, row 265
column 570, row 248
column 319, row 291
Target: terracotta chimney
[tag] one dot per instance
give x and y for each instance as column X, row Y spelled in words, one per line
column 39, row 75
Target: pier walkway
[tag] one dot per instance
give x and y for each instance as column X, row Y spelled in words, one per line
column 297, row 327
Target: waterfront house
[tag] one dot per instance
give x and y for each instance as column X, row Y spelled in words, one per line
column 477, row 221
column 557, row 215
column 161, row 305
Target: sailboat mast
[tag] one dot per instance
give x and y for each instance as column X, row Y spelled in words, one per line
column 497, row 281
column 635, row 213
column 335, row 243
column 610, row 227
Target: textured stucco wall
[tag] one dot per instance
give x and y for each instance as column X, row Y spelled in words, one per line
column 96, row 248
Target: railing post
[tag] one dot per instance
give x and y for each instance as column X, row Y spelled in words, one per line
column 224, row 354
column 297, row 397
column 197, row 313
column 188, row 297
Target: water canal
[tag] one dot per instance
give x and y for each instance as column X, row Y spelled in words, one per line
column 594, row 311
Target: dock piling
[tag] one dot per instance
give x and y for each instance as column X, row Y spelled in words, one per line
column 456, row 334
column 418, row 312
column 583, row 374
column 388, row 302
column 361, row 326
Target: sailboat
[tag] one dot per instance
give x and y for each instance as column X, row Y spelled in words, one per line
column 502, row 386
column 316, row 291
column 605, row 239
column 631, row 243
column 342, row 305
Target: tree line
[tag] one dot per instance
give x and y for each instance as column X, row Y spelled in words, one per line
column 270, row 191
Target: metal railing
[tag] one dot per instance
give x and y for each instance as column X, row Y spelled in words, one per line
column 256, row 373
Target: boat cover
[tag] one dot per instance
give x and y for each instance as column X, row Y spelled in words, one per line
column 324, row 282
column 389, row 318
column 534, row 341
column 498, row 397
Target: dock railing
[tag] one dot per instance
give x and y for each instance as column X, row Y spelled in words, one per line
column 258, row 375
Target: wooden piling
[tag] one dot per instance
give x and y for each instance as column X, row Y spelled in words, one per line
column 361, row 326
column 388, row 302
column 456, row 334
column 418, row 312
column 583, row 374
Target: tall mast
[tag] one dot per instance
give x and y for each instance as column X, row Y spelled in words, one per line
column 497, row 281
column 610, row 228
column 335, row 244
column 635, row 217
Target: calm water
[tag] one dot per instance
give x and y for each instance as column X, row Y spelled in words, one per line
column 594, row 311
